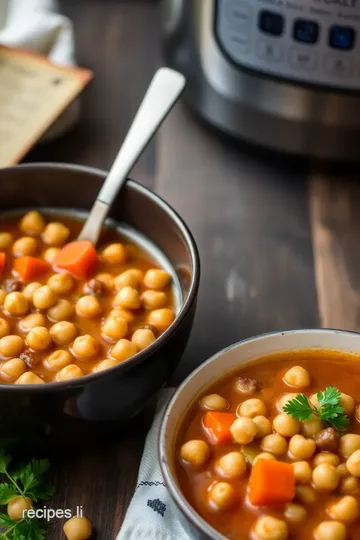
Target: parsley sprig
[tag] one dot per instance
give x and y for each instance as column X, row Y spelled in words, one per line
column 27, row 481
column 328, row 410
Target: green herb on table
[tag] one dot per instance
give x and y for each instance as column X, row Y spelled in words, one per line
column 25, row 486
column 328, row 410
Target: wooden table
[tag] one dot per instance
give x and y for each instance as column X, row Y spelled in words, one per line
column 278, row 238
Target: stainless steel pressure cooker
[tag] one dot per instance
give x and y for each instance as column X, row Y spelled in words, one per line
column 281, row 73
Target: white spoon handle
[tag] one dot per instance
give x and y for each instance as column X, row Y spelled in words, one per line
column 162, row 94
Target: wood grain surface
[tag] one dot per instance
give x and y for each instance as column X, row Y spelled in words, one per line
column 253, row 215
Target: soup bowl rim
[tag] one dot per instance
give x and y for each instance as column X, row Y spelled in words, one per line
column 171, row 418
column 141, row 356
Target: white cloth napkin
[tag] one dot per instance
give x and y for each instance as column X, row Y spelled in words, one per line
column 151, row 515
column 34, row 25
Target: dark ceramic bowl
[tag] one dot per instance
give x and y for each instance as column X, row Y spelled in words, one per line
column 224, row 362
column 98, row 402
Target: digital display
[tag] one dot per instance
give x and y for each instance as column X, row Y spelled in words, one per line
column 342, row 37
column 306, row 31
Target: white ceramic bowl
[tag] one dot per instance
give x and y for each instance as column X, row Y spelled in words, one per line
column 230, row 359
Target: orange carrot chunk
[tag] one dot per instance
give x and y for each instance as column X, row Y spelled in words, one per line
column 2, row 261
column 79, row 258
column 29, row 268
column 271, row 482
column 217, row 426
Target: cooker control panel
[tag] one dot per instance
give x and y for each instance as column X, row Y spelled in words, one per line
column 313, row 41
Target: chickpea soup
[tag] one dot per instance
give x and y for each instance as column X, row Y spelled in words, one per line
column 57, row 325
column 273, row 452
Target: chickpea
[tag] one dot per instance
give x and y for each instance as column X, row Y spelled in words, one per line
column 195, row 453
column 350, row 486
column 342, row 470
column 264, row 455
column 72, row 371
column 61, row 311
column 114, row 254
column 6, row 240
column 231, row 465
column 269, row 528
column 161, row 318
column 29, row 378
column 11, row 346
column 61, row 283
column 348, row 403
column 222, row 496
column 50, row 254
column 127, row 298
column 30, row 321
column 114, row 329
column 142, row 338
column 26, row 245
column 302, row 472
column 348, row 444
column 106, row 279
column 44, row 297
column 330, row 530
column 357, row 413
column 309, row 428
column 105, row 364
column 29, row 290
column 63, row 332
column 286, row 425
column 12, row 369
column 263, row 425
column 2, row 297
column 155, row 278
column 294, row 513
column 283, row 399
column 85, row 346
column 124, row 313
column 123, row 350
column 326, row 457
column 297, row 376
column 314, row 400
column 88, row 306
column 4, row 327
column 345, row 509
column 325, row 477
column 301, row 448
column 252, row 407
column 274, row 443
column 129, row 278
column 77, row 528
column 58, row 360
column 16, row 304
column 39, row 338
column 214, row 402
column 352, row 463
column 55, row 234
column 306, row 494
column 32, row 223
column 18, row 507
column 153, row 299
column 243, row 430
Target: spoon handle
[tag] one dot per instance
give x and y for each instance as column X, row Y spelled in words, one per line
column 162, row 94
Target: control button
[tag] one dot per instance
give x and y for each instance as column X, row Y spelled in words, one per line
column 306, row 31
column 238, row 14
column 271, row 23
column 340, row 67
column 342, row 37
column 268, row 50
column 298, row 58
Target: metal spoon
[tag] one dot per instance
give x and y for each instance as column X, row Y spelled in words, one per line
column 162, row 94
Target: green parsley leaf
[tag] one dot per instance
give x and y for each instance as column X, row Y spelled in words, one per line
column 299, row 408
column 29, row 529
column 7, row 492
column 329, row 409
column 6, row 521
column 4, row 461
column 42, row 491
